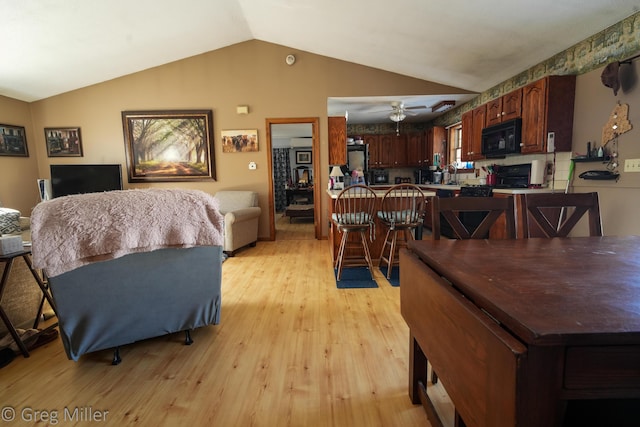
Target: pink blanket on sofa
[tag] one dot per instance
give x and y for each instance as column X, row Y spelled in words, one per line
column 72, row 231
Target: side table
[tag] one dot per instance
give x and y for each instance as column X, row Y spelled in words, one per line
column 8, row 259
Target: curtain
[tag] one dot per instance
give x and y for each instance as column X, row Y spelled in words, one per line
column 281, row 176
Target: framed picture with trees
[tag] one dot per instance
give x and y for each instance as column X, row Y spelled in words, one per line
column 175, row 145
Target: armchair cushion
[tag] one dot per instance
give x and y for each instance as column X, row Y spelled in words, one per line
column 241, row 218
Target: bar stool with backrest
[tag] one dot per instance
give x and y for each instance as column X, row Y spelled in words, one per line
column 402, row 211
column 354, row 213
column 556, row 214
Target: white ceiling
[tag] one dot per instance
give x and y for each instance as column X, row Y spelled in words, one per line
column 50, row 47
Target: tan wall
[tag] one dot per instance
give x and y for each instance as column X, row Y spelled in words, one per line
column 620, row 201
column 18, row 188
column 220, row 80
column 253, row 73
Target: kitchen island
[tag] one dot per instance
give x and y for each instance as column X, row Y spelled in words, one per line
column 430, row 190
column 379, row 230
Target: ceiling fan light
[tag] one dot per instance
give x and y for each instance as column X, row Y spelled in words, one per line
column 443, row 106
column 397, row 116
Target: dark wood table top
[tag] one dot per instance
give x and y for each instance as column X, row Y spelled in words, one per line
column 571, row 291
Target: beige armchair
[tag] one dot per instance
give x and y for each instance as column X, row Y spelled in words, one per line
column 241, row 216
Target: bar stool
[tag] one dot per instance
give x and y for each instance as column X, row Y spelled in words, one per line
column 402, row 211
column 354, row 213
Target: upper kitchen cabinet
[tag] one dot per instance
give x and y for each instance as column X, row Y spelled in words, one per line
column 378, row 157
column 394, row 150
column 472, row 124
column 506, row 107
column 337, row 140
column 437, row 142
column 547, row 106
column 418, row 150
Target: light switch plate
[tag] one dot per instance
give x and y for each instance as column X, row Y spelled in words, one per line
column 632, row 165
column 252, row 166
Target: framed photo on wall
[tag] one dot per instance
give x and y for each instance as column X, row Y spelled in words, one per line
column 239, row 141
column 13, row 141
column 63, row 142
column 175, row 145
column 303, row 157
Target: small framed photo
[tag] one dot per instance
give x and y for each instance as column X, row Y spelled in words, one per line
column 63, row 142
column 13, row 141
column 239, row 141
column 303, row 157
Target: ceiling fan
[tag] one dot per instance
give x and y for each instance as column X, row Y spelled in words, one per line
column 399, row 111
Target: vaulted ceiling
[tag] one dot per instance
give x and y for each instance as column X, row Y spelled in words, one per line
column 50, row 47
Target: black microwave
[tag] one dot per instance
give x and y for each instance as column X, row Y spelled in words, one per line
column 502, row 139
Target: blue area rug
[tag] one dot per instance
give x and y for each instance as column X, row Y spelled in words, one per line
column 355, row 277
column 395, row 275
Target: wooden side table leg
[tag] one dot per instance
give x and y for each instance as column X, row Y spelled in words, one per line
column 14, row 334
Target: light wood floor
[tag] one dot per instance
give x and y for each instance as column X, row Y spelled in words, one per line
column 291, row 350
column 298, row 229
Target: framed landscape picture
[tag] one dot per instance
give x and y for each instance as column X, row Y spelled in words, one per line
column 239, row 141
column 175, row 145
column 13, row 141
column 63, row 142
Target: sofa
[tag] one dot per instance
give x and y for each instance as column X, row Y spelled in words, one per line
column 241, row 217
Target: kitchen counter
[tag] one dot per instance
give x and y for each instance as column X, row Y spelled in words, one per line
column 379, row 191
column 523, row 190
column 430, row 190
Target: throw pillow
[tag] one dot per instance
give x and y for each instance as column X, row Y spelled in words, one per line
column 9, row 221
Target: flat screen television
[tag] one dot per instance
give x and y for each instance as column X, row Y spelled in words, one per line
column 79, row 179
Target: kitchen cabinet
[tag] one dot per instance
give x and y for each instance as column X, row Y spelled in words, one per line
column 437, row 143
column 506, row 107
column 472, row 124
column 387, row 151
column 395, row 148
column 337, row 140
column 418, row 150
column 547, row 106
column 376, row 155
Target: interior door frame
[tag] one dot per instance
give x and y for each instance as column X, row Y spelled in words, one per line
column 315, row 149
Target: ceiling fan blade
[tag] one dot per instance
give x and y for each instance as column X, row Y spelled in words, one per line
column 417, row 107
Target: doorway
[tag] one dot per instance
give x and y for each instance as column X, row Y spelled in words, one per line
column 291, row 225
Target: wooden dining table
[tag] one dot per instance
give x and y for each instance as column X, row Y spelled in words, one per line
column 522, row 331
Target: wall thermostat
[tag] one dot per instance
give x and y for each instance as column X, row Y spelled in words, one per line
column 290, row 59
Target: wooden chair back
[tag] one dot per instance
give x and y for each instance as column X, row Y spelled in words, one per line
column 450, row 207
column 573, row 206
column 355, row 207
column 403, row 206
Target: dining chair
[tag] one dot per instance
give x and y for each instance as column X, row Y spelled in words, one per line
column 402, row 211
column 450, row 208
column 354, row 213
column 556, row 214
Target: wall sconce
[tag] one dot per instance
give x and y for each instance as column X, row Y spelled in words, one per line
column 242, row 109
column 443, row 106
